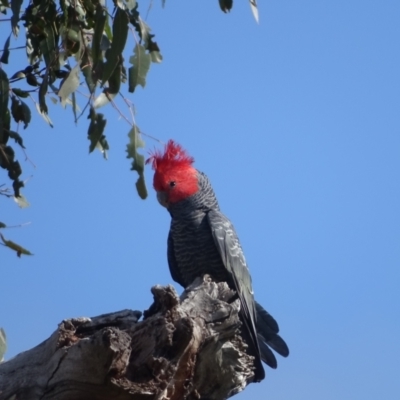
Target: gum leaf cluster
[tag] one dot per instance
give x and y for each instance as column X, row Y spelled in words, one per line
column 71, row 45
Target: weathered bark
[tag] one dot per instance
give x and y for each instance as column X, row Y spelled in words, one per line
column 185, row 348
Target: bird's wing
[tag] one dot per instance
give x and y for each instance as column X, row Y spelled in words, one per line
column 173, row 266
column 227, row 243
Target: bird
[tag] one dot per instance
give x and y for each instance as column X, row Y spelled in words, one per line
column 202, row 240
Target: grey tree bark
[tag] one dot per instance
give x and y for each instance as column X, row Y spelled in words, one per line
column 184, row 348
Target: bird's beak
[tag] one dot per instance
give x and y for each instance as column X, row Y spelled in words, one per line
column 162, row 199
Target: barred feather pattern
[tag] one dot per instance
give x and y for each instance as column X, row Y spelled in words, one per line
column 203, row 241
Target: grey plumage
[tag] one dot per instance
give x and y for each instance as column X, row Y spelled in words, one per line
column 203, row 241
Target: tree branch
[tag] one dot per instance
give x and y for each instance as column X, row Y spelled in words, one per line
column 185, row 348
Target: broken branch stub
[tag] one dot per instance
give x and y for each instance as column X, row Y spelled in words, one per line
column 184, row 348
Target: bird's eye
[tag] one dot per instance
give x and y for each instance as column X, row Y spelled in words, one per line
column 172, row 184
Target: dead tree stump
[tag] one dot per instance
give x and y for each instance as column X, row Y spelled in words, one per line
column 185, row 348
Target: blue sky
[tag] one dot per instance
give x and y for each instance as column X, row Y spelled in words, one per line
column 297, row 123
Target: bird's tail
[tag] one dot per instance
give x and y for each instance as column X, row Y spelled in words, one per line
column 268, row 338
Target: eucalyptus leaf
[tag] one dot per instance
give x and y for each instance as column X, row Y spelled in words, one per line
column 114, row 83
column 140, row 67
column 20, row 111
column 70, row 85
column 43, row 92
column 130, row 4
column 75, row 107
column 4, row 95
column 26, row 113
column 15, row 8
column 254, row 9
column 114, row 53
column 5, row 3
column 3, row 344
column 100, row 22
column 86, row 68
column 225, row 5
column 17, row 138
column 21, row 201
column 44, row 115
column 6, row 52
column 48, row 46
column 136, row 142
column 144, row 31
column 95, row 133
column 103, row 98
column 20, row 93
column 17, row 248
column 18, row 74
column 156, row 57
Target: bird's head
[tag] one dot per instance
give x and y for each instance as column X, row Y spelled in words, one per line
column 175, row 178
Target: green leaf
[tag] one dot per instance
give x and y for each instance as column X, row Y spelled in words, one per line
column 141, row 187
column 3, row 9
column 136, row 142
column 74, row 105
column 16, row 247
column 108, row 31
column 144, row 31
column 73, row 34
column 114, row 83
column 43, row 92
column 89, row 6
column 95, row 133
column 20, row 93
column 21, row 201
column 6, row 52
column 156, row 57
column 26, row 113
column 5, row 3
column 15, row 8
column 100, row 21
column 17, row 138
column 86, row 68
column 140, row 67
column 79, row 9
column 31, row 80
column 130, row 4
column 254, row 9
column 111, row 91
column 114, row 53
column 226, row 5
column 48, row 46
column 4, row 95
column 102, row 99
column 17, row 185
column 3, row 344
column 70, row 85
column 44, row 115
column 19, row 74
column 20, row 111
column 3, row 225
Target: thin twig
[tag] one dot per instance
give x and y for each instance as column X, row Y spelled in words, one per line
column 148, row 9
column 28, row 159
column 18, row 226
column 130, row 106
column 17, row 48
